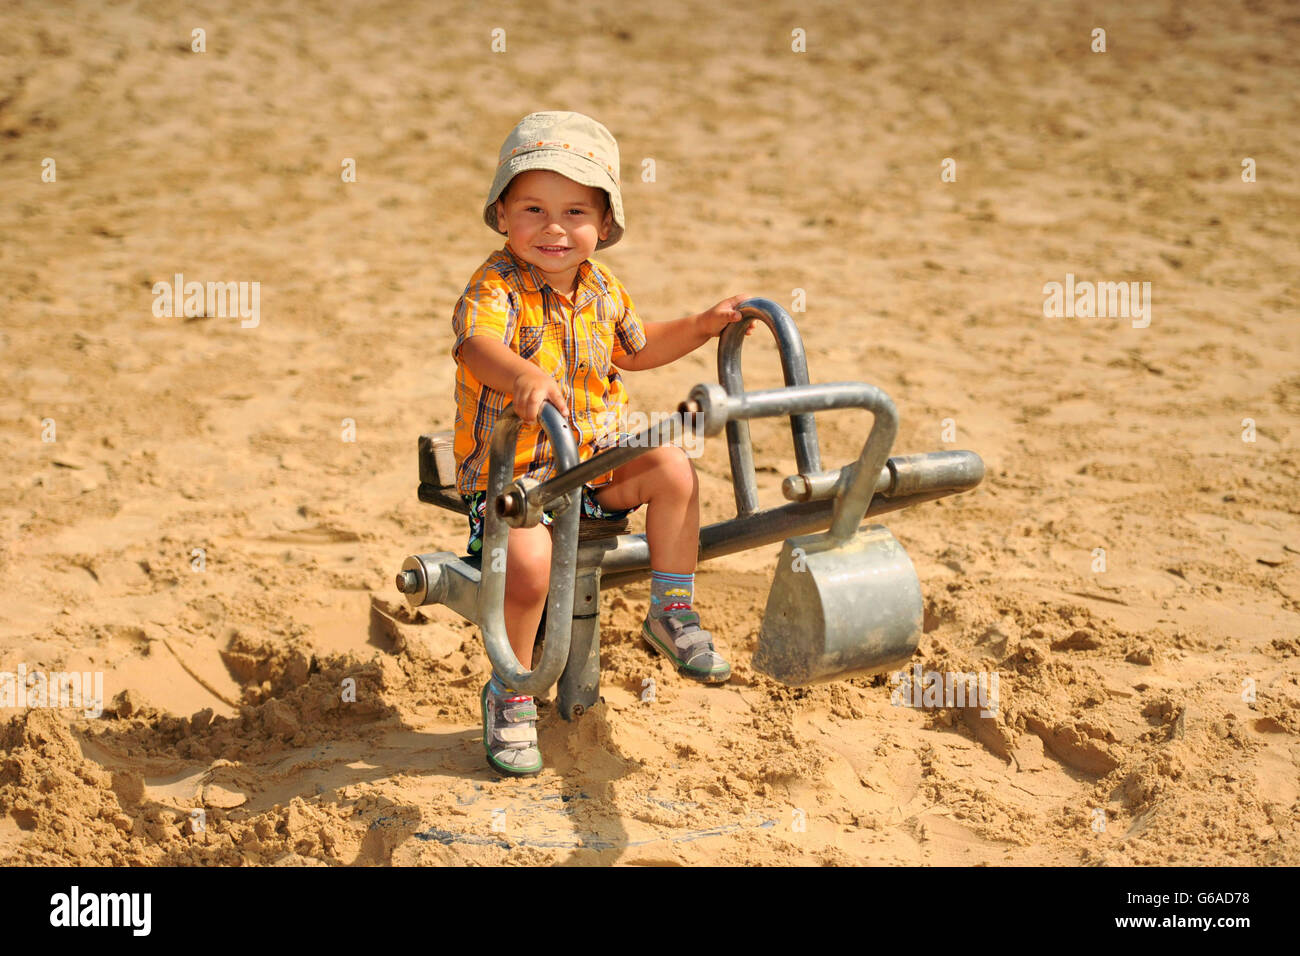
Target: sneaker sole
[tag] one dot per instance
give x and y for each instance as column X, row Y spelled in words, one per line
column 704, row 677
column 491, row 762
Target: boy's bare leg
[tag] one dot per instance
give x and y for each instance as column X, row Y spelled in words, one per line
column 665, row 481
column 510, row 719
column 528, row 572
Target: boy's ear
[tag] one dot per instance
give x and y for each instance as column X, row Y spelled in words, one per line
column 501, row 216
column 607, row 225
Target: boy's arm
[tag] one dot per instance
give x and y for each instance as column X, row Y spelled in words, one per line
column 495, row 365
column 668, row 341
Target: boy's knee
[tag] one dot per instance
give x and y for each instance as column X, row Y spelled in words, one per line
column 675, row 468
column 528, row 568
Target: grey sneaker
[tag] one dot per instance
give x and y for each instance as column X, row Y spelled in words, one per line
column 678, row 635
column 510, row 733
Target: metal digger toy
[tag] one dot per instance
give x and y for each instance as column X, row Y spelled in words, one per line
column 845, row 600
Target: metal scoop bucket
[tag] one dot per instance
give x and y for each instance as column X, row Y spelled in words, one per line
column 839, row 611
column 846, row 602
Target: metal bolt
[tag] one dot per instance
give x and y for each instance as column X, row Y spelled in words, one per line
column 407, row 582
column 796, row 488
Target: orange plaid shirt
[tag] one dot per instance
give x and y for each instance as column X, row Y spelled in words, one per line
column 510, row 301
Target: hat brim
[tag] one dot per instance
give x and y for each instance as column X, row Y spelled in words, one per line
column 567, row 164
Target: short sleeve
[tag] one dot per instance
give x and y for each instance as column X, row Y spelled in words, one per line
column 486, row 307
column 629, row 332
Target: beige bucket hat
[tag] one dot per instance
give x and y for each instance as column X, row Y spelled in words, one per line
column 567, row 143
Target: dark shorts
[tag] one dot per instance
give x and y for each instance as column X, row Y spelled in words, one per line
column 477, row 503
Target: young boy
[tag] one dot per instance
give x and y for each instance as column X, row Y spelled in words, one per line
column 541, row 321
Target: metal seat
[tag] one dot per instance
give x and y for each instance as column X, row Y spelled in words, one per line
column 438, row 487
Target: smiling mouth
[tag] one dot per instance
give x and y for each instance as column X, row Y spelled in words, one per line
column 554, row 248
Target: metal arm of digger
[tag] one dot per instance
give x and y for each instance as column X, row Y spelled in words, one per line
column 720, row 409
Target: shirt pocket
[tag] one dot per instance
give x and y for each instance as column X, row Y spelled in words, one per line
column 530, row 340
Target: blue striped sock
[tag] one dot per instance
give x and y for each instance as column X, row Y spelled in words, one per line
column 670, row 590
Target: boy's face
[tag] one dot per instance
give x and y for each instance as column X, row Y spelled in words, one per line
column 554, row 223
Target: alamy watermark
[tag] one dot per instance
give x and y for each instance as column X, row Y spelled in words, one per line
column 669, row 428
column 75, row 908
column 37, row 689
column 1098, row 300
column 215, row 300
column 936, row 689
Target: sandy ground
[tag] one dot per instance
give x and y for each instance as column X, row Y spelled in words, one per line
column 1127, row 691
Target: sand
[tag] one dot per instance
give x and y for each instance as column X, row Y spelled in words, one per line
column 1147, row 712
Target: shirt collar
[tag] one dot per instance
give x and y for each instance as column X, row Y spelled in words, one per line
column 590, row 281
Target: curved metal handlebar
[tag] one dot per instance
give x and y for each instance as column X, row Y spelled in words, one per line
column 794, row 366
column 856, row 491
column 564, row 553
